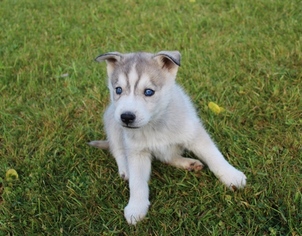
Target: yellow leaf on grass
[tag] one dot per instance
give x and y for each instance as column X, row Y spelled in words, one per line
column 11, row 175
column 215, row 108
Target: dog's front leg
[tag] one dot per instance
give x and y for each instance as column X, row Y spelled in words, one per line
column 206, row 150
column 116, row 142
column 139, row 164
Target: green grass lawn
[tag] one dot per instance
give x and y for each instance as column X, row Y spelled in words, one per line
column 244, row 55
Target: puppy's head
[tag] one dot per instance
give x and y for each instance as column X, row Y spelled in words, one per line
column 140, row 85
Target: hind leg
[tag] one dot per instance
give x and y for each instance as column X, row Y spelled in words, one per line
column 172, row 156
column 186, row 163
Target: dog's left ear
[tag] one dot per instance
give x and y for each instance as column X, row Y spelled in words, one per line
column 111, row 58
column 168, row 60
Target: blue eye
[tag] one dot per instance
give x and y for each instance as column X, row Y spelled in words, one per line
column 149, row 92
column 118, row 90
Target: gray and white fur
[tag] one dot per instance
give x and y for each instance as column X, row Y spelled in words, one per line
column 151, row 116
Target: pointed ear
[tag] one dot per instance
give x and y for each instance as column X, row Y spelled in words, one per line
column 111, row 59
column 168, row 60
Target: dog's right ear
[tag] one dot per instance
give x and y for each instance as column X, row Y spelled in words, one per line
column 111, row 58
column 168, row 60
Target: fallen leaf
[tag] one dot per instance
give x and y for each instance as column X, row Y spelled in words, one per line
column 11, row 175
column 215, row 108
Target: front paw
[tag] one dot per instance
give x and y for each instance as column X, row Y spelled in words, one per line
column 135, row 212
column 232, row 178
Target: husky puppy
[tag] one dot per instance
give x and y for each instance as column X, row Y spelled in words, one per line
column 151, row 116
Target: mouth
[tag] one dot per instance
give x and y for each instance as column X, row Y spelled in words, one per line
column 130, row 127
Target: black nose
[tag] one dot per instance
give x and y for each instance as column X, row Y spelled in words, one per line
column 128, row 118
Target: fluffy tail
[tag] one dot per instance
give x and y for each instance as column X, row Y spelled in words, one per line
column 102, row 144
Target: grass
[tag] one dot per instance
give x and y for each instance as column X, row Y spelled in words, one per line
column 245, row 56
